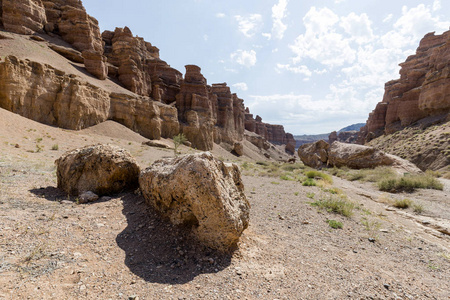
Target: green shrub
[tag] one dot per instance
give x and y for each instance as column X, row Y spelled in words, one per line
column 309, row 182
column 336, row 204
column 409, row 183
column 178, row 140
column 418, row 208
column 55, row 147
column 402, row 203
column 316, row 174
column 335, row 224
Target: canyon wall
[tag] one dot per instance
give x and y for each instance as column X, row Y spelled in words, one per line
column 164, row 103
column 423, row 90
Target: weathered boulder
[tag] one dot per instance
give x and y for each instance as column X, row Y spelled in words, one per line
column 95, row 63
column 101, row 169
column 356, row 156
column 23, row 16
column 315, row 154
column 201, row 192
column 238, row 148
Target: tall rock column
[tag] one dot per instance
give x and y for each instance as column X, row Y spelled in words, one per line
column 196, row 106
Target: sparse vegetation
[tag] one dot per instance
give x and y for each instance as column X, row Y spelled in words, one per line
column 418, row 208
column 335, row 224
column 402, row 203
column 409, row 183
column 336, row 204
column 55, row 147
column 316, row 174
column 178, row 140
column 309, row 182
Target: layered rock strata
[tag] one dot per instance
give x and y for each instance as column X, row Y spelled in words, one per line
column 23, row 16
column 47, row 95
column 422, row 90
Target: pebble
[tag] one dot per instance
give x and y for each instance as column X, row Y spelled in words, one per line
column 372, row 240
column 386, row 286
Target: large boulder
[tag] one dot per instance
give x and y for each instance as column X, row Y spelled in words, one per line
column 201, row 192
column 321, row 154
column 102, row 169
column 95, row 63
column 315, row 154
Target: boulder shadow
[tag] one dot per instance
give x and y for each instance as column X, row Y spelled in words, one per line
column 160, row 252
column 50, row 193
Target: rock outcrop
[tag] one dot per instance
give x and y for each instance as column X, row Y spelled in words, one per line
column 275, row 134
column 349, row 137
column 47, row 95
column 202, row 193
column 68, row 19
column 423, row 89
column 23, row 16
column 314, row 155
column 95, row 63
column 205, row 114
column 321, row 154
column 101, row 169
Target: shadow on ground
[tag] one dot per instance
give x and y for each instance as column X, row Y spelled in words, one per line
column 160, row 252
column 50, row 193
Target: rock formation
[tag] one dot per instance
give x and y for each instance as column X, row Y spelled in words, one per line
column 349, row 137
column 314, row 155
column 101, row 169
column 321, row 154
column 95, row 63
column 423, row 89
column 165, row 104
column 202, row 193
column 272, row 133
column 47, row 95
column 23, row 16
column 68, row 19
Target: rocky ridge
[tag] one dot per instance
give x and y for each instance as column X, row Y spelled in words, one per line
column 163, row 105
column 423, row 90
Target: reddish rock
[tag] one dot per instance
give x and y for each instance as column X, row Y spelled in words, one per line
column 95, row 63
column 23, row 16
column 196, row 109
column 423, row 89
column 69, row 53
column 68, row 19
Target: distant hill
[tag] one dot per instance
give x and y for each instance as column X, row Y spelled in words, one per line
column 310, row 138
column 356, row 127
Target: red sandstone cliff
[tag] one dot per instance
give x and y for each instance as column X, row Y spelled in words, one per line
column 423, row 90
column 163, row 105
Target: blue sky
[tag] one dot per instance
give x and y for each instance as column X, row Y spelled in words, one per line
column 312, row 66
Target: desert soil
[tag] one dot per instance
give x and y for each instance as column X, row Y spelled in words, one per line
column 118, row 248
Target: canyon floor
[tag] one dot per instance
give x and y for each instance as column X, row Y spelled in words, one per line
column 118, row 248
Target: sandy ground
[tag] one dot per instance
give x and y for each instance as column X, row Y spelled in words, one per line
column 52, row 248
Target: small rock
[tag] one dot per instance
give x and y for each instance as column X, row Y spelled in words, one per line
column 134, row 297
column 384, row 230
column 306, row 222
column 66, row 202
column 386, row 286
column 88, row 197
column 280, row 217
column 372, row 240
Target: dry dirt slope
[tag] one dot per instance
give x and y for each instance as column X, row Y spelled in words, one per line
column 52, row 248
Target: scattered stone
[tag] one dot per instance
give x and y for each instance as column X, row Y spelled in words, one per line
column 155, row 144
column 372, row 240
column 386, row 286
column 238, row 149
column 87, row 197
column 37, row 38
column 69, row 53
column 201, row 192
column 102, row 169
column 66, row 202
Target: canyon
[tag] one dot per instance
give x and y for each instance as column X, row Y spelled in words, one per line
column 123, row 80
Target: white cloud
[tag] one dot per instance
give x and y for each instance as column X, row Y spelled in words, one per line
column 358, row 27
column 245, row 58
column 267, row 35
column 220, row 15
column 278, row 14
column 249, row 25
column 436, row 5
column 205, row 37
column 388, row 18
column 241, row 86
column 339, row 1
column 321, row 42
column 304, row 70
